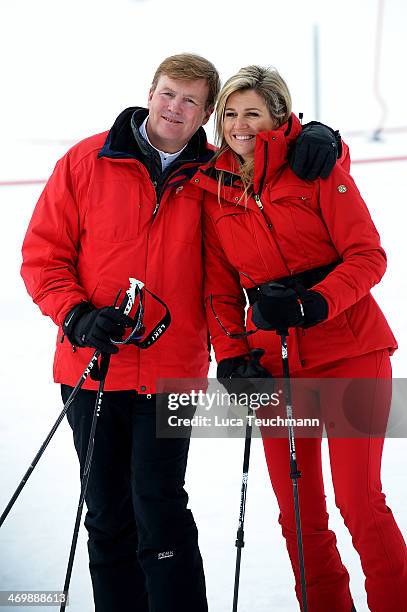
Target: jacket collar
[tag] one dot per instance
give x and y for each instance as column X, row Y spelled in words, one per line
column 124, row 141
column 270, row 155
column 271, row 151
column 121, row 142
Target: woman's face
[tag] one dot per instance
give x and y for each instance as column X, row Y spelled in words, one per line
column 246, row 114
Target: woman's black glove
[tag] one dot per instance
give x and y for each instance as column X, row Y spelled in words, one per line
column 315, row 151
column 279, row 307
column 242, row 367
column 85, row 325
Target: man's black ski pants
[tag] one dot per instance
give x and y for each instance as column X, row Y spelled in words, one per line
column 143, row 545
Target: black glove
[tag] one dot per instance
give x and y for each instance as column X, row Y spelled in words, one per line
column 279, row 308
column 241, row 367
column 315, row 151
column 85, row 325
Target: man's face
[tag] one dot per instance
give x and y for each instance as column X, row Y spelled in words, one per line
column 176, row 111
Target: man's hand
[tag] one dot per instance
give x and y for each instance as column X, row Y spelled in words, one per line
column 315, row 151
column 94, row 327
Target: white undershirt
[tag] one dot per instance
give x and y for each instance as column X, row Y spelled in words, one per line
column 166, row 158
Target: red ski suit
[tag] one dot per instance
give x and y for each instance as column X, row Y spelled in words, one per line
column 291, row 226
column 302, row 225
column 94, row 227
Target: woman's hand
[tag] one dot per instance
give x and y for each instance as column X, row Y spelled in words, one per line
column 231, row 372
column 279, row 308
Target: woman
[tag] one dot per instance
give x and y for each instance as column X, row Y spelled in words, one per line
column 263, row 223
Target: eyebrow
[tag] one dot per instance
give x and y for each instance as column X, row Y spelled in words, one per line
column 246, row 109
column 186, row 95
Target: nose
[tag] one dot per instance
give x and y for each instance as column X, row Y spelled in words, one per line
column 240, row 122
column 174, row 105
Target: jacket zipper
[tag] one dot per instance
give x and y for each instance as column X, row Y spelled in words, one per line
column 256, row 196
column 261, row 208
column 162, row 186
column 258, row 201
column 264, row 168
column 269, row 226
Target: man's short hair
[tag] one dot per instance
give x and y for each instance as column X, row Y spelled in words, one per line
column 190, row 67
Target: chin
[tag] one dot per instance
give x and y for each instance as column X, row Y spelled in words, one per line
column 245, row 154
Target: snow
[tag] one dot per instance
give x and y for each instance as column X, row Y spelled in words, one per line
column 66, row 77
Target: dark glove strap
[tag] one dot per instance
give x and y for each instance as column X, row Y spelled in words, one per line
column 307, row 278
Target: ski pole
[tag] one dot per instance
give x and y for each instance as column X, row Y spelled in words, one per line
column 256, row 354
column 104, row 366
column 126, row 306
column 47, row 440
column 134, row 338
column 240, row 531
column 295, row 474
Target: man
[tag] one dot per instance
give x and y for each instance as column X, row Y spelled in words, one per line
column 124, row 204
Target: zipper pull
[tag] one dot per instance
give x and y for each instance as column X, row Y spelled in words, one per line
column 261, row 207
column 258, row 201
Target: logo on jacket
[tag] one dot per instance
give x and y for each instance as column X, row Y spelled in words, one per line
column 342, row 188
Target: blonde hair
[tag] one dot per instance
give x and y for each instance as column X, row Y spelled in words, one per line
column 190, row 67
column 267, row 83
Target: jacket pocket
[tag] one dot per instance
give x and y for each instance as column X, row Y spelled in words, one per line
column 249, row 243
column 328, row 341
column 114, row 210
column 183, row 212
column 238, row 238
column 105, row 293
column 298, row 226
column 302, row 192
